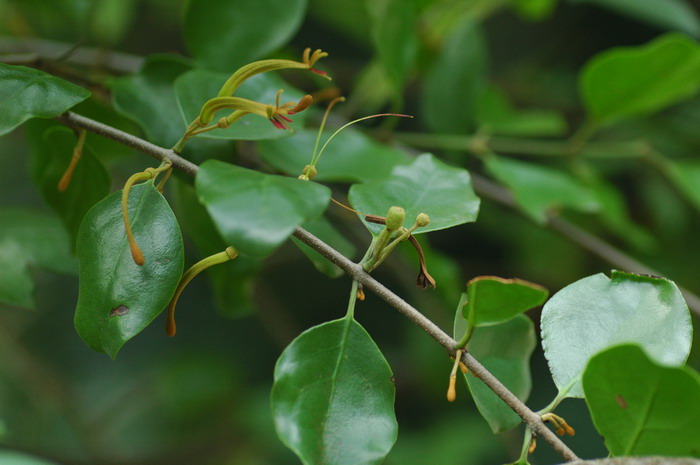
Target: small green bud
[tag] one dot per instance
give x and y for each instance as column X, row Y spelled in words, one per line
column 422, row 220
column 394, row 218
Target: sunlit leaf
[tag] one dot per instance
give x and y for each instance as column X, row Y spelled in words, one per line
column 640, row 407
column 333, row 396
column 596, row 312
column 27, row 93
column 425, row 186
column 226, row 34
column 117, row 297
column 253, row 211
column 633, row 81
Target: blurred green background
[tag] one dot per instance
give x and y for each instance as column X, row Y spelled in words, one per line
column 203, row 396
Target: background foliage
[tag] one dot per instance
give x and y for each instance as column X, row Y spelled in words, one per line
column 516, row 91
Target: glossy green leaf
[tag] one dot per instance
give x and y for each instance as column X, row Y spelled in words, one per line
column 453, row 85
column 494, row 300
column 350, row 157
column 640, row 407
column 224, row 35
column 505, row 350
column 596, row 312
column 427, row 185
column 194, row 88
column 324, row 230
column 27, row 93
column 633, row 81
column 30, row 238
column 51, row 155
column 667, row 14
column 253, row 211
column 393, row 28
column 118, row 298
column 333, row 396
column 232, row 283
column 496, row 115
column 539, row 190
column 147, row 97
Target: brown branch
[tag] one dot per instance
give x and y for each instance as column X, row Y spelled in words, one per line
column 356, row 272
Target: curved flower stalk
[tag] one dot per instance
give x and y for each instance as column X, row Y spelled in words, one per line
column 277, row 114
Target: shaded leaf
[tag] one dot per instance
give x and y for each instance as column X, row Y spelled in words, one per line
column 333, row 396
column 393, row 26
column 497, row 116
column 20, row 458
column 539, row 190
column 596, row 312
column 666, row 14
column 156, row 114
column 90, row 183
column 256, row 212
column 325, row 231
column 453, row 85
column 534, row 9
column 425, row 186
column 633, row 81
column 232, row 283
column 30, row 238
column 640, row 407
column 225, row 35
column 117, row 298
column 494, row 300
column 195, row 87
column 505, row 350
column 350, row 157
column 27, row 93
column 685, row 175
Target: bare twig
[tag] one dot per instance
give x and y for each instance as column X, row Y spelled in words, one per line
column 356, row 272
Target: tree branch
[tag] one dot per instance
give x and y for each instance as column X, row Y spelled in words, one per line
column 356, row 272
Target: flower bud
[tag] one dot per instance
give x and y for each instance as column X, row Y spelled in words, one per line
column 394, row 218
column 422, row 220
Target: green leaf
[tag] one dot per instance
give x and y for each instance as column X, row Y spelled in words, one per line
column 232, row 283
column 20, row 458
column 333, row 396
column 685, row 175
column 505, row 350
column 667, row 14
column 427, row 185
column 117, row 297
column 633, row 81
column 453, row 85
column 51, row 155
column 350, row 157
column 194, row 88
column 641, row 408
column 596, row 312
column 27, row 93
column 534, row 9
column 256, row 212
column 324, row 230
column 225, row 35
column 393, row 28
column 30, row 238
column 539, row 190
column 497, row 116
column 147, row 97
column 494, row 300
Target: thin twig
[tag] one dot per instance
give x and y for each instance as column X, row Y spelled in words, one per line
column 356, row 272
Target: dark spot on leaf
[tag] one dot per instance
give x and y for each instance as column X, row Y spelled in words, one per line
column 121, row 310
column 621, row 401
